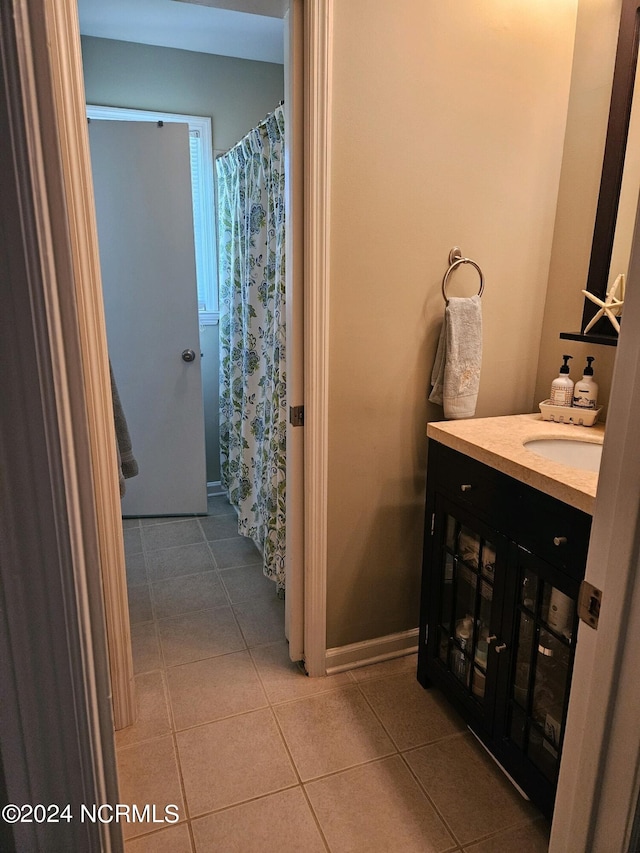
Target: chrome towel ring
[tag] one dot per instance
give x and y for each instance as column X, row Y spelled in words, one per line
column 455, row 260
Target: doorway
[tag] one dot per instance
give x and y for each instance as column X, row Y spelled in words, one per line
column 99, row 56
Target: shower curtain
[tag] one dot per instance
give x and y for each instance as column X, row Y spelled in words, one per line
column 252, row 336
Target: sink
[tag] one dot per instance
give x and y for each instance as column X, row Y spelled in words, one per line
column 570, row 451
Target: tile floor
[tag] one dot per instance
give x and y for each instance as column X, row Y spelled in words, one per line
column 259, row 758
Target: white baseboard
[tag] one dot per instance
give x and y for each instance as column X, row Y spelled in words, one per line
column 214, row 489
column 367, row 652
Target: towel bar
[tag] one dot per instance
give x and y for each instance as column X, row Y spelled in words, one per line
column 455, row 259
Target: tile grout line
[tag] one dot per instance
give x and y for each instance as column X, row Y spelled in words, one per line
column 406, row 763
column 430, row 800
column 272, row 707
column 291, row 758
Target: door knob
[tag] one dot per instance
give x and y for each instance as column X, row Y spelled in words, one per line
column 188, row 355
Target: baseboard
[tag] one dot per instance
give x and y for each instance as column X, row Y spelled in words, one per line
column 367, row 652
column 214, row 489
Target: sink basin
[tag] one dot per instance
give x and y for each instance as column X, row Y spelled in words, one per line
column 585, row 455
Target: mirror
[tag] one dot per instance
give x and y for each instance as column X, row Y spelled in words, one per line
column 610, row 228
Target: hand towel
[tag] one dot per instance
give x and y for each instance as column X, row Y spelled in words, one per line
column 456, row 371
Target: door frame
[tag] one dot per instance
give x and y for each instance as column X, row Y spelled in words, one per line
column 70, row 127
column 65, row 60
column 317, row 72
column 599, row 782
column 55, row 671
column 294, row 289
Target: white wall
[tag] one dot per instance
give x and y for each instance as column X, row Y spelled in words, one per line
column 448, row 129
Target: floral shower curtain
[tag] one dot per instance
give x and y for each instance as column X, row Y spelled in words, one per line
column 252, row 336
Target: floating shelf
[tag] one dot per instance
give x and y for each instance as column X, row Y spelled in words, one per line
column 605, row 340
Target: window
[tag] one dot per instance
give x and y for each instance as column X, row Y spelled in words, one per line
column 202, row 193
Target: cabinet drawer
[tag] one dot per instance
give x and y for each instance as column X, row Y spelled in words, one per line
column 555, row 531
column 472, row 484
column 529, row 517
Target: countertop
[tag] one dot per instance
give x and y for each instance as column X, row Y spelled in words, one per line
column 498, row 442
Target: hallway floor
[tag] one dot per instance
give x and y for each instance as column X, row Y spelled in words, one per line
column 258, row 757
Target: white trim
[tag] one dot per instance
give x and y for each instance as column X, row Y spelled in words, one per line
column 318, row 52
column 214, row 489
column 599, row 775
column 365, row 653
column 202, row 124
column 208, row 318
column 294, row 218
column 71, row 128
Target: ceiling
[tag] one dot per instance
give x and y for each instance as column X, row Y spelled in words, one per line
column 249, row 29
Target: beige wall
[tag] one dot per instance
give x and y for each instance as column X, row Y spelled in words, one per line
column 448, row 129
column 596, row 36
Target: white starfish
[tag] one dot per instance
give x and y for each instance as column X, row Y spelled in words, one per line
column 610, row 307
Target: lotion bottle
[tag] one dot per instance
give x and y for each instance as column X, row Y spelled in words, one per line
column 562, row 386
column 585, row 393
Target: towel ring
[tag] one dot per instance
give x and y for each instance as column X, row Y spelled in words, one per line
column 455, row 260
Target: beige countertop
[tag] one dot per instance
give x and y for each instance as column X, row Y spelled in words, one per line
column 499, row 443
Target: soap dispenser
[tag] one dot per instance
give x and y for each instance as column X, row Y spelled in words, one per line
column 562, row 386
column 585, row 393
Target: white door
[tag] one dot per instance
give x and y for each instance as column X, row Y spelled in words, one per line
column 142, row 185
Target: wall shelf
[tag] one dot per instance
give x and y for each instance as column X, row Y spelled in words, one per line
column 604, row 340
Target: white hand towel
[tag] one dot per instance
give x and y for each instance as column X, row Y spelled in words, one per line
column 456, row 371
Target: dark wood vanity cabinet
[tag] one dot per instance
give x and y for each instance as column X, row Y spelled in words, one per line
column 502, row 569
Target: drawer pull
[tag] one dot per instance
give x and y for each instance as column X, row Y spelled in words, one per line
column 559, row 540
column 491, row 639
column 500, row 648
column 466, row 487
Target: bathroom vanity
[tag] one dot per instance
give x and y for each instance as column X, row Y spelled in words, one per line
column 506, row 539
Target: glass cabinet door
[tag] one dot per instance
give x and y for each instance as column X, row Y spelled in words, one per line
column 467, row 569
column 545, row 631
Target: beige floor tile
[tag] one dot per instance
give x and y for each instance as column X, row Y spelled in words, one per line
column 219, row 505
column 136, row 569
column 132, row 541
column 214, row 688
column 188, row 594
column 233, row 760
column 145, row 647
column 284, row 680
column 153, row 714
column 470, row 791
column 412, row 715
column 245, row 582
column 261, row 619
column 237, row 551
column 194, row 636
column 176, row 839
column 377, row 808
column 171, row 534
column 140, row 609
column 179, row 561
column 148, row 774
column 331, row 732
column 280, row 823
column 407, row 663
column 529, row 838
column 219, row 527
